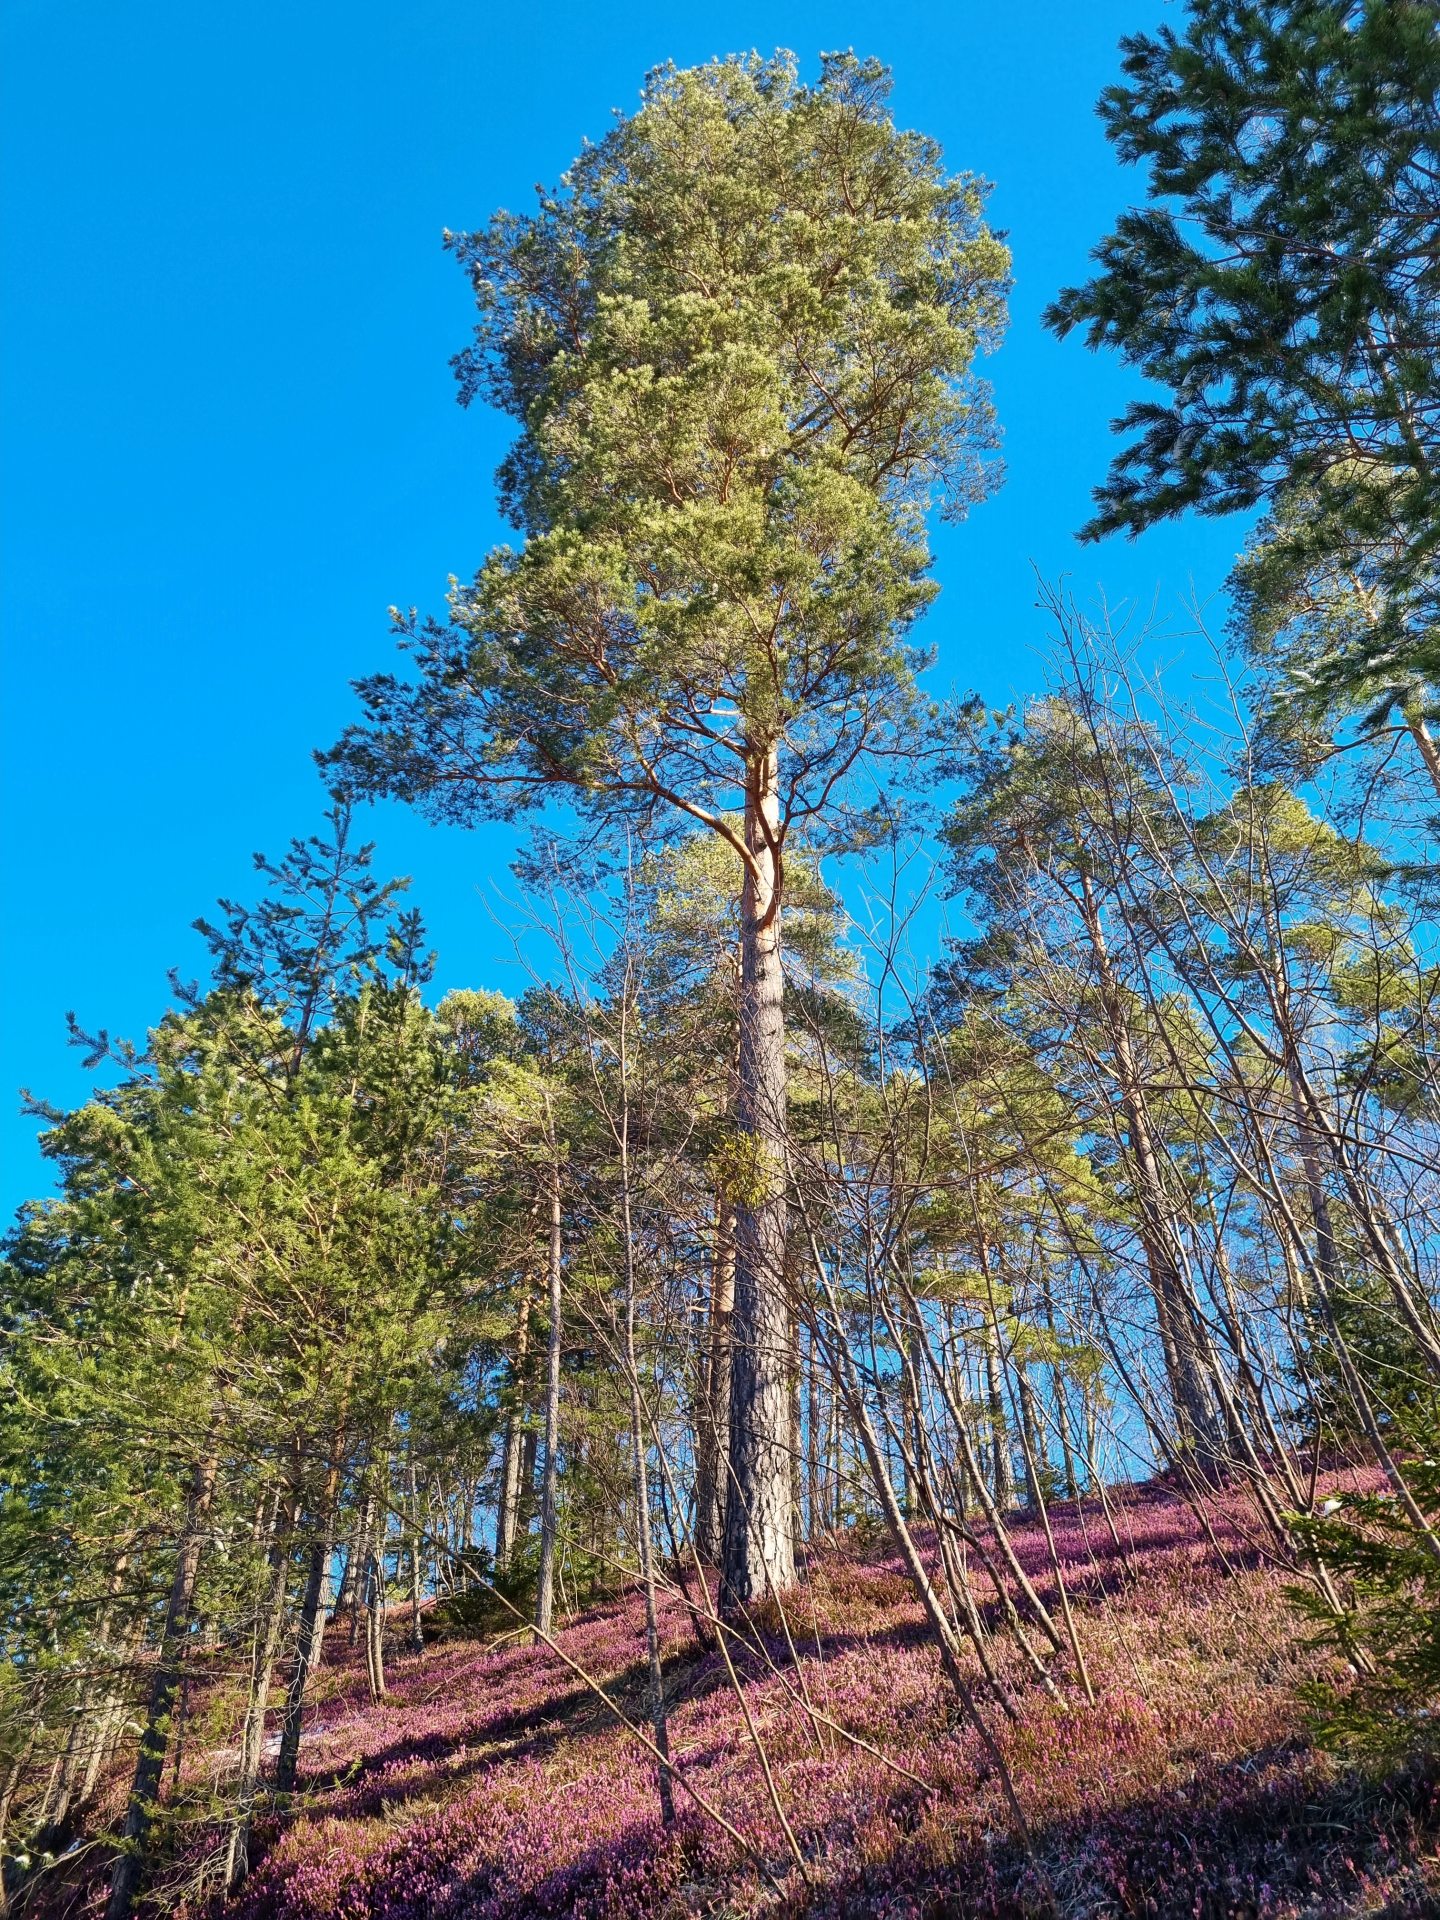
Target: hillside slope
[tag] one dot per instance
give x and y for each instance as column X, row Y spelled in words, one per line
column 494, row 1785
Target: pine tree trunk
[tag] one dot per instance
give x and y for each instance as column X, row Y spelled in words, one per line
column 549, row 1499
column 169, row 1663
column 307, row 1658
column 352, row 1581
column 525, row 1501
column 417, row 1629
column 795, row 1383
column 110, row 1722
column 507, row 1511
column 713, row 1449
column 834, row 1462
column 1002, row 1471
column 90, row 1723
column 344, row 1594
column 1062, row 1411
column 372, row 1592
column 311, row 1631
column 375, row 1614
column 1425, row 741
column 1033, row 1450
column 759, row 1555
column 262, row 1673
column 813, row 1440
column 1199, row 1430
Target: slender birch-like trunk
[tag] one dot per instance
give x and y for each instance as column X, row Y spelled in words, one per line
column 417, row 1628
column 659, row 1717
column 507, row 1511
column 549, row 1498
column 1201, row 1431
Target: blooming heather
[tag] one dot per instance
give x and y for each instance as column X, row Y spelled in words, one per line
column 494, row 1785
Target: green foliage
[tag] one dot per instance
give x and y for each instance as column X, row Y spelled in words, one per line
column 1383, row 1352
column 739, row 341
column 1284, row 285
column 1342, row 633
column 1389, row 1629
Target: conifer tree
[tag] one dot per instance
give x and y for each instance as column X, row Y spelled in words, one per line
column 738, row 340
column 1284, row 284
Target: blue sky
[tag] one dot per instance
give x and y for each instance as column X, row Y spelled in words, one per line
column 231, row 440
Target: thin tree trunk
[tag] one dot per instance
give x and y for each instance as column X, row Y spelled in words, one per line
column 1032, row 1449
column 507, row 1511
column 417, row 1629
column 375, row 1614
column 659, row 1719
column 813, row 1441
column 759, row 1555
column 252, row 1740
column 1002, row 1468
column 1057, row 1389
column 154, row 1742
column 75, row 1775
column 549, row 1499
column 1200, row 1430
column 795, row 1372
column 713, row 1450
column 373, row 1591
column 311, row 1633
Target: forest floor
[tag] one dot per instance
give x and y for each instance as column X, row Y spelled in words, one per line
column 492, row 1784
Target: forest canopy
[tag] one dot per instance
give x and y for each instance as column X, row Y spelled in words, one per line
column 756, row 1303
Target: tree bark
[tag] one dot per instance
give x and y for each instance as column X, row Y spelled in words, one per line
column 713, row 1451
column 417, row 1626
column 545, row 1592
column 252, row 1740
column 1199, row 1427
column 507, row 1510
column 813, row 1442
column 311, row 1634
column 759, row 1555
column 372, row 1588
column 1002, row 1468
column 169, row 1664
column 1033, row 1447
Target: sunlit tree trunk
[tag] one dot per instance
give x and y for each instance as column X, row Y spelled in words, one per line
column 375, row 1610
column 512, row 1458
column 417, row 1628
column 549, row 1499
column 713, row 1438
column 759, row 1555
column 1199, row 1427
column 1033, row 1449
column 73, row 1781
column 814, row 1442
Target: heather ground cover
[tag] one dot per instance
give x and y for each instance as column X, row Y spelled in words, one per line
column 494, row 1785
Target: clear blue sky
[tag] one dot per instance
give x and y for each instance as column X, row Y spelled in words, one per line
column 231, row 441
